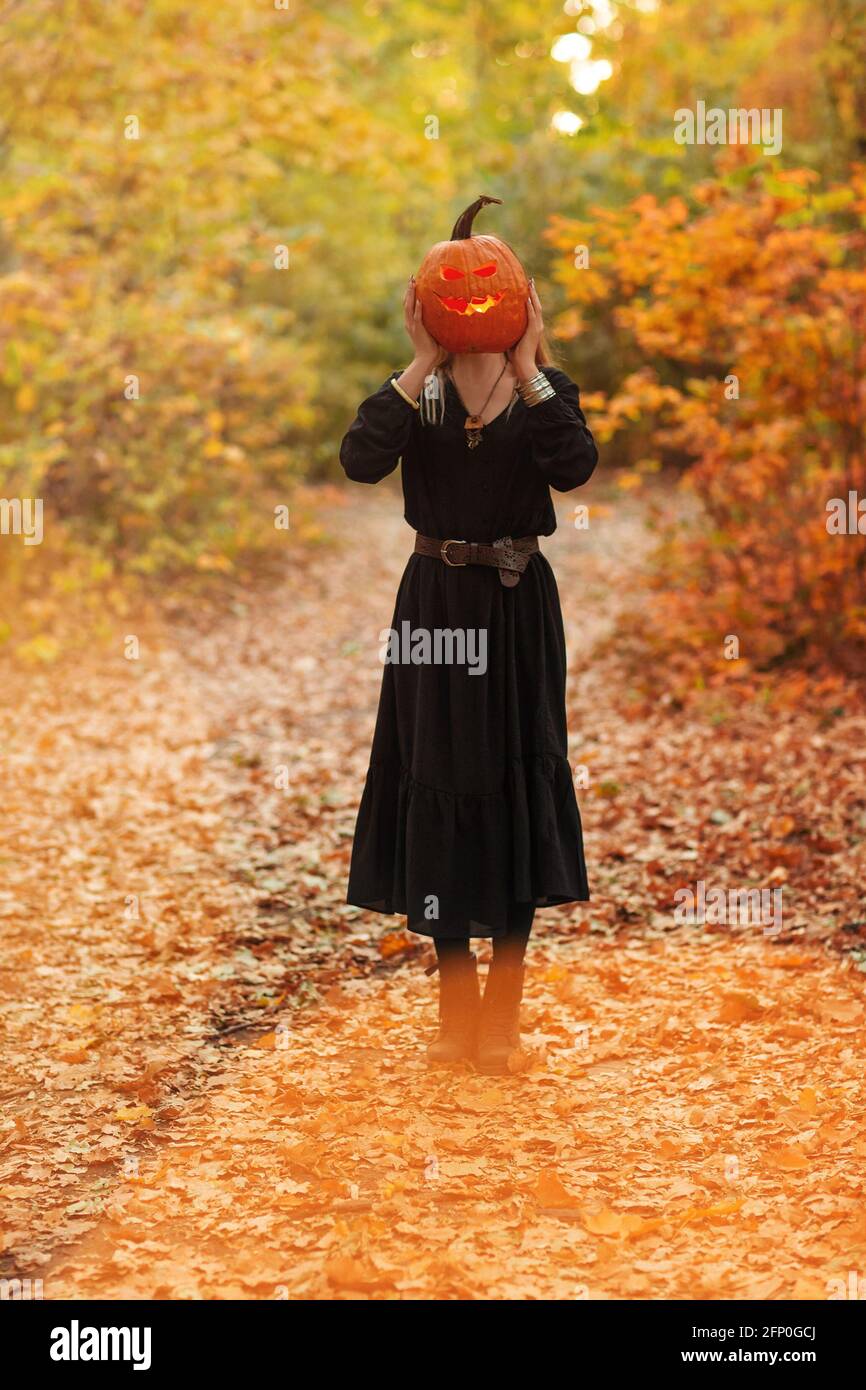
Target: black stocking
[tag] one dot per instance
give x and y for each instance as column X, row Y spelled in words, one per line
column 510, row 949
column 451, row 948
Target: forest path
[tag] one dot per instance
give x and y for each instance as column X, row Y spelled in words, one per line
column 691, row 1128
column 217, row 1089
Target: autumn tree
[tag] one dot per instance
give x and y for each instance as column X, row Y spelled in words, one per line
column 741, row 323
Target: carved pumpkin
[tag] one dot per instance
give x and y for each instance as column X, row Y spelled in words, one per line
column 473, row 290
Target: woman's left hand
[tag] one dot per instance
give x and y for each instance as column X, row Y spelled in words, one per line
column 522, row 355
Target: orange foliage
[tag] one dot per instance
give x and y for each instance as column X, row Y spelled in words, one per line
column 741, row 327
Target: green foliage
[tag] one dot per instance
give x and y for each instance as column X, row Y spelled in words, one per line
column 309, row 128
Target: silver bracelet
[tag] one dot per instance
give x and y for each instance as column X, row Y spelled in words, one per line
column 536, row 389
column 532, row 383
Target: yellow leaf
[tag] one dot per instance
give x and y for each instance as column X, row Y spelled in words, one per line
column 134, row 1114
column 717, row 1209
column 82, row 1013
column 222, row 563
column 40, row 648
column 628, row 481
column 76, row 1050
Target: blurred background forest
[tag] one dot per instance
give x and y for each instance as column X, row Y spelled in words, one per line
column 209, row 216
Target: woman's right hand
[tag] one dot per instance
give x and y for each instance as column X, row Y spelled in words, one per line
column 426, row 348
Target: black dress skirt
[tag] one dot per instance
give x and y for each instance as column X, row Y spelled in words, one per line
column 469, row 801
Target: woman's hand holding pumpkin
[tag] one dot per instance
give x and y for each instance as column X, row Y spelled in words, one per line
column 426, row 348
column 522, row 355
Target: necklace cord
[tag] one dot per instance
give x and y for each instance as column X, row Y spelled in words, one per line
column 476, row 415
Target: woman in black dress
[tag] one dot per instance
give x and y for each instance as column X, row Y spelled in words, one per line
column 468, row 820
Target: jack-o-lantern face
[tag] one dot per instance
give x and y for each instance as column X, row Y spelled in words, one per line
column 479, row 303
column 473, row 290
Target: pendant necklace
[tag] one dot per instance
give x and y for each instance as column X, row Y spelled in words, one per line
column 474, row 424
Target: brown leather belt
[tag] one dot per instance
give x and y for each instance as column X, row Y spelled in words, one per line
column 509, row 556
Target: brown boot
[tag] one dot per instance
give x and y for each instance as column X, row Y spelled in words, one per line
column 499, row 1035
column 459, row 1003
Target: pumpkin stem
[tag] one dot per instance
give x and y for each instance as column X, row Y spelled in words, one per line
column 463, row 225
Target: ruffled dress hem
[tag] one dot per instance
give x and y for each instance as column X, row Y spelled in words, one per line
column 462, row 858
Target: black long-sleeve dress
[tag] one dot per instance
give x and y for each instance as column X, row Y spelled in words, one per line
column 469, row 801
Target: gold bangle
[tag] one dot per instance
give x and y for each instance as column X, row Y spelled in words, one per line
column 400, row 392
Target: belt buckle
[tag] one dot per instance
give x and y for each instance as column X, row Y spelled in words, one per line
column 455, row 564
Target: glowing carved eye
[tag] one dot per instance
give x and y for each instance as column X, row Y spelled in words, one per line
column 489, row 269
column 449, row 272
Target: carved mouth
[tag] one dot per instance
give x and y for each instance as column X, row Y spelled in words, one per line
column 479, row 304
